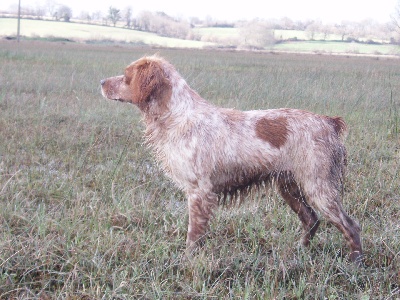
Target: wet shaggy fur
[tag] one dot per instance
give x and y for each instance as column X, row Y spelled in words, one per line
column 215, row 153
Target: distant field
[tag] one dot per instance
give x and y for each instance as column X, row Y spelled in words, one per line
column 210, row 37
column 337, row 48
column 331, row 45
column 87, row 214
column 95, row 33
column 235, row 32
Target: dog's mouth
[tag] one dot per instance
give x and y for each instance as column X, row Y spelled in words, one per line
column 105, row 95
column 112, row 98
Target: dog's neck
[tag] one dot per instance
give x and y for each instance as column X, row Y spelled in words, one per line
column 179, row 103
column 182, row 110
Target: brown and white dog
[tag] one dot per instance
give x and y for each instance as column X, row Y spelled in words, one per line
column 212, row 153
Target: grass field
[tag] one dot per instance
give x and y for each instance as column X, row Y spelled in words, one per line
column 335, row 47
column 86, row 213
column 210, row 37
column 332, row 44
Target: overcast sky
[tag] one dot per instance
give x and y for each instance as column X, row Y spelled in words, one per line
column 326, row 11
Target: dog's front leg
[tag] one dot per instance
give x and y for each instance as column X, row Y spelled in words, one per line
column 200, row 206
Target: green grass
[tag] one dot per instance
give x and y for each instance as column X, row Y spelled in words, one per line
column 86, row 213
column 334, row 47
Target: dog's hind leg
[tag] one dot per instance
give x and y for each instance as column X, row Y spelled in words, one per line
column 326, row 199
column 294, row 197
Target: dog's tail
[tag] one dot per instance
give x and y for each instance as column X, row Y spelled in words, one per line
column 340, row 127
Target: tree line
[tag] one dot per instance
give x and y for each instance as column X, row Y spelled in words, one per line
column 255, row 33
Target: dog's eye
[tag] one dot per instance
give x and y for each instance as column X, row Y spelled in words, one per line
column 127, row 79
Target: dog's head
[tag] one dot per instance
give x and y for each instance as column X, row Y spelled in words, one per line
column 144, row 83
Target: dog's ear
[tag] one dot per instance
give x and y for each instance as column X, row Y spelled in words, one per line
column 148, row 80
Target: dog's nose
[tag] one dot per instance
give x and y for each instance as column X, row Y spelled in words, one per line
column 102, row 81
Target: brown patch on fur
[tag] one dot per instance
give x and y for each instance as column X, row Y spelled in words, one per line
column 129, row 73
column 273, row 131
column 147, row 79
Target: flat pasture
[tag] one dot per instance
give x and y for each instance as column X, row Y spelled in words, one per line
column 337, row 48
column 85, row 212
column 78, row 32
column 295, row 41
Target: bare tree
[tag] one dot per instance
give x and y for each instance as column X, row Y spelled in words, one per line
column 85, row 16
column 97, row 15
column 256, row 34
column 302, row 25
column 209, row 21
column 40, row 11
column 51, row 8
column 396, row 16
column 286, row 23
column 114, row 15
column 343, row 29
column 163, row 25
column 195, row 21
column 313, row 28
column 144, row 20
column 28, row 11
column 128, row 16
column 326, row 30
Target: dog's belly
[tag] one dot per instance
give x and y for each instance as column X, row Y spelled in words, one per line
column 236, row 180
